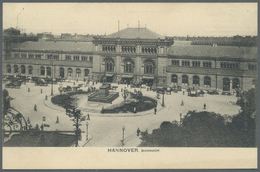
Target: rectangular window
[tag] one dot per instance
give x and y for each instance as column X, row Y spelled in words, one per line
column 185, row 63
column 84, row 58
column 49, row 56
column 24, row 56
column 31, row 56
column 55, row 57
column 252, row 66
column 207, row 64
column 90, row 58
column 38, row 56
column 76, row 58
column 175, row 62
column 196, row 63
column 68, row 57
column 229, row 65
column 16, row 55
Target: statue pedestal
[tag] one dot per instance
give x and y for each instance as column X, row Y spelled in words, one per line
column 103, row 91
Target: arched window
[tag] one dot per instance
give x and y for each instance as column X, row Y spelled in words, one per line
column 8, row 67
column 235, row 83
column 149, row 68
column 128, row 67
column 42, row 70
column 196, row 80
column 174, row 78
column 16, row 69
column 185, row 79
column 62, row 72
column 78, row 72
column 226, row 84
column 207, row 81
column 109, row 66
column 70, row 71
column 86, row 72
column 48, row 71
column 23, row 69
column 30, row 69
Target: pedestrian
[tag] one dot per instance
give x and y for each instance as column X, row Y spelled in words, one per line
column 28, row 89
column 180, row 115
column 41, row 90
column 134, row 109
column 57, row 121
column 35, row 107
column 182, row 103
column 88, row 117
column 183, row 92
column 138, row 132
column 155, row 110
column 204, row 106
column 42, row 127
column 46, row 97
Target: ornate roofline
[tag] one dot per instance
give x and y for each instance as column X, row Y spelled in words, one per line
column 137, row 41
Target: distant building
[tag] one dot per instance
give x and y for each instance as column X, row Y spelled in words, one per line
column 138, row 54
column 45, row 35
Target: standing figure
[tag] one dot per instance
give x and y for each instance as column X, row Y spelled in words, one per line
column 35, row 107
column 182, row 103
column 57, row 121
column 41, row 90
column 204, row 106
column 42, row 127
column 46, row 97
column 88, row 117
column 28, row 89
column 155, row 110
column 138, row 132
column 183, row 92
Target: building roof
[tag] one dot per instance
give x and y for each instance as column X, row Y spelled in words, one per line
column 56, row 46
column 133, row 33
column 209, row 51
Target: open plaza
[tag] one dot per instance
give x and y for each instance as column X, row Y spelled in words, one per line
column 105, row 129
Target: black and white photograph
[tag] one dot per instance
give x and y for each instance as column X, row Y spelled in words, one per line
column 129, row 85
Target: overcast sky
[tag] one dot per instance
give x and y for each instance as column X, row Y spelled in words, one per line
column 171, row 19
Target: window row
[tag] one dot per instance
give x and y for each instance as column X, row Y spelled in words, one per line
column 46, row 70
column 149, row 50
column 227, row 83
column 229, row 65
column 109, row 48
column 129, row 67
column 195, row 80
column 128, row 49
column 252, row 66
column 17, row 70
column 54, row 57
column 186, row 63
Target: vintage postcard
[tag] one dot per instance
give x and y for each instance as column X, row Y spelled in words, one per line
column 129, row 85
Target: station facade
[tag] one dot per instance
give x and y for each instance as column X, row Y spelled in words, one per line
column 137, row 54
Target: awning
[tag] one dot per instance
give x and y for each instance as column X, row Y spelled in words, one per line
column 148, row 77
column 109, row 74
column 127, row 76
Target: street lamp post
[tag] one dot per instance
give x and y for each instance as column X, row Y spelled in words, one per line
column 87, row 131
column 123, row 140
column 52, row 79
column 163, row 98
